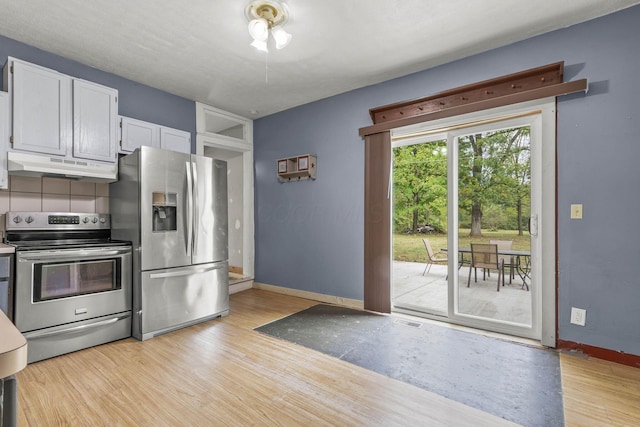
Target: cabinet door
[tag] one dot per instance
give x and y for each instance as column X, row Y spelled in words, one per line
column 175, row 140
column 6, row 291
column 5, row 298
column 4, row 139
column 95, row 121
column 41, row 109
column 137, row 133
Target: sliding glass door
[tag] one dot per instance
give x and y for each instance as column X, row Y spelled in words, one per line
column 492, row 226
column 471, row 229
column 420, row 222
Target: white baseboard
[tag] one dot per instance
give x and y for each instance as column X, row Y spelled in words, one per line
column 330, row 299
column 241, row 286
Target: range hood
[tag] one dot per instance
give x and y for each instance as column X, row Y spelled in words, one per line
column 38, row 165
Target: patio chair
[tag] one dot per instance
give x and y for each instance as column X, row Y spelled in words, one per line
column 507, row 260
column 485, row 256
column 431, row 256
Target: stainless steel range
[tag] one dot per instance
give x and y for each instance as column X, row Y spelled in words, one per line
column 72, row 282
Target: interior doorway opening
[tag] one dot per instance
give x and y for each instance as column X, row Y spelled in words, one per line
column 238, row 272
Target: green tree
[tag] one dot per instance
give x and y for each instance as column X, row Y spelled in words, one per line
column 494, row 169
column 518, row 166
column 419, row 184
column 494, row 179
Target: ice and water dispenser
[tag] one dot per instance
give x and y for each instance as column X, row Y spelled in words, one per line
column 164, row 211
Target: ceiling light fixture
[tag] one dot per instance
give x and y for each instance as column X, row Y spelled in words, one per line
column 267, row 16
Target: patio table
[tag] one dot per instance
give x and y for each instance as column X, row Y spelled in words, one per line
column 522, row 261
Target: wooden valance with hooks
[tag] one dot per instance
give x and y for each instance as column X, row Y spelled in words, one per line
column 536, row 83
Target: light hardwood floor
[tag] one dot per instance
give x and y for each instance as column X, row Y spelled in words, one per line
column 223, row 373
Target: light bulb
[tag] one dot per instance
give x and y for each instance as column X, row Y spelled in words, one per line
column 281, row 37
column 259, row 29
column 261, row 45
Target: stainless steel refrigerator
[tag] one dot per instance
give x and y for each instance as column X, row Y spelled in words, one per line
column 173, row 208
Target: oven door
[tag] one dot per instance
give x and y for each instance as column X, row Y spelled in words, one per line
column 56, row 287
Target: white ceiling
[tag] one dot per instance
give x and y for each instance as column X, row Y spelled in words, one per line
column 199, row 49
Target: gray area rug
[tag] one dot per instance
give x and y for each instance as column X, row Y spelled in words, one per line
column 515, row 382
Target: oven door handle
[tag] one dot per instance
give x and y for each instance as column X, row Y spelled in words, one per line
column 75, row 329
column 66, row 255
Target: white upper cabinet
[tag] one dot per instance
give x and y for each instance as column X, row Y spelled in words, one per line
column 95, row 121
column 53, row 113
column 4, row 139
column 136, row 133
column 41, row 101
column 175, row 140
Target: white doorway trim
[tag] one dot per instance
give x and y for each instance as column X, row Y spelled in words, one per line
column 224, row 147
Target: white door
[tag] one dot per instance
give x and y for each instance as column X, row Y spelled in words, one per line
column 4, row 138
column 95, row 121
column 41, row 109
column 488, row 164
column 137, row 133
column 175, row 140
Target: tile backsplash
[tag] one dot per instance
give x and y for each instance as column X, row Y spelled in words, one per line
column 27, row 193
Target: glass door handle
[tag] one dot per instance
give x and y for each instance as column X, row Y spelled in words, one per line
column 533, row 225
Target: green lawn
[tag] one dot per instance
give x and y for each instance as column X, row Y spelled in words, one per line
column 409, row 247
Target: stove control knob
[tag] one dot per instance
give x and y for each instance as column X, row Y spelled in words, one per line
column 29, row 220
column 103, row 220
column 17, row 219
column 85, row 219
column 94, row 220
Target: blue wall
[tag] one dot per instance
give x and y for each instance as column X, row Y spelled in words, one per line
column 134, row 99
column 309, row 235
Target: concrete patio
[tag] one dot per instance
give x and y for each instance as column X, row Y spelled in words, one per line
column 413, row 291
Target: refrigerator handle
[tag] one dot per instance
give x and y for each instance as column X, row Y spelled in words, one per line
column 180, row 272
column 196, row 208
column 189, row 208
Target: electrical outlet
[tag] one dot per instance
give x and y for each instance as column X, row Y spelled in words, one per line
column 578, row 316
column 576, row 211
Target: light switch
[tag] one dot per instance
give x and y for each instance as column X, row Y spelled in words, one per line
column 576, row 211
